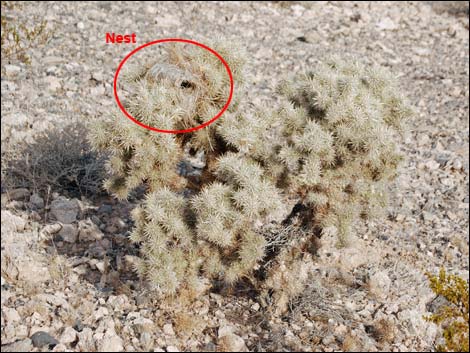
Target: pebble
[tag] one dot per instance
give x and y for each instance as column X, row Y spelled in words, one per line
column 65, row 210
column 112, row 343
column 12, row 70
column 144, row 325
column 88, row 231
column 231, row 343
column 36, row 201
column 168, row 330
column 68, row 336
column 379, row 284
column 52, row 83
column 24, row 345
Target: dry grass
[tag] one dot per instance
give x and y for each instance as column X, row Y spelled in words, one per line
column 317, row 303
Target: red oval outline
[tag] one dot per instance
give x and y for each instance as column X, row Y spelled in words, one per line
column 218, row 115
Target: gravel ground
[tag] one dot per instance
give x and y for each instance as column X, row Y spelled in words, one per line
column 66, row 262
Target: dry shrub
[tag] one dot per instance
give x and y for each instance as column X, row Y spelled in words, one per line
column 58, row 160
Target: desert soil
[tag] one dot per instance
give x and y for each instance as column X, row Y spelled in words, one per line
column 67, row 282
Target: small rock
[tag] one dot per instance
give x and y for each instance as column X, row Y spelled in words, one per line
column 80, row 25
column 69, row 233
column 172, row 349
column 146, row 341
column 12, row 222
column 436, row 304
column 41, row 339
column 98, row 90
column 111, row 343
column 387, row 24
column 328, row 340
column 60, row 348
column 231, row 343
column 19, row 194
column 64, row 210
column 88, row 231
column 10, row 315
column 78, row 326
column 68, row 336
column 12, row 70
column 36, row 201
column 379, row 284
column 18, row 346
column 15, row 119
column 117, row 223
column 142, row 325
column 86, row 343
column 225, row 330
column 52, row 83
column 168, row 21
column 101, row 266
column 50, row 229
column 105, row 208
column 97, row 76
column 100, row 313
column 168, row 330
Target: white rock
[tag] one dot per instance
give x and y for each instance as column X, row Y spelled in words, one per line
column 298, row 10
column 98, row 76
column 15, row 119
column 86, row 342
column 143, row 325
column 98, row 90
column 52, row 83
column 68, row 336
column 12, row 70
column 387, row 24
column 225, row 330
column 12, row 222
column 146, row 341
column 80, row 25
column 100, row 313
column 19, row 346
column 60, row 348
column 65, row 210
column 168, row 21
column 172, row 349
column 379, row 284
column 119, row 302
column 168, row 330
column 49, row 230
column 101, row 266
column 10, row 315
column 111, row 343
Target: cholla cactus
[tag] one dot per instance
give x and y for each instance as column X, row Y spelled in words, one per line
column 323, row 157
column 332, row 146
column 185, row 89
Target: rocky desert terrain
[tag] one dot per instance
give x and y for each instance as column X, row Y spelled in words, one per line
column 67, row 282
